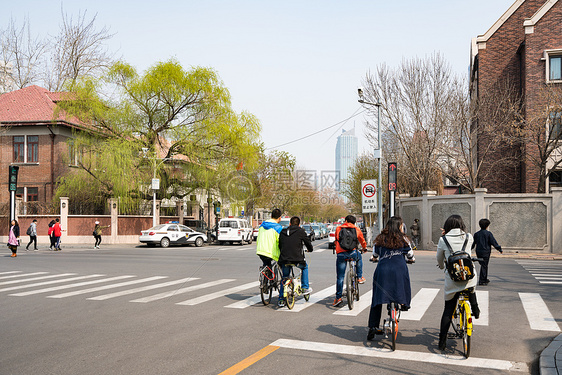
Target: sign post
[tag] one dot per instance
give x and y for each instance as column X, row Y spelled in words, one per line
column 155, row 187
column 392, row 173
column 369, row 196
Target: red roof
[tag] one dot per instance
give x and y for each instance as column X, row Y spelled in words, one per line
column 32, row 104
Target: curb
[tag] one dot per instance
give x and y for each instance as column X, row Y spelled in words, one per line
column 551, row 357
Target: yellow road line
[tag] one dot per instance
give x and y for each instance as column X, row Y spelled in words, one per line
column 247, row 362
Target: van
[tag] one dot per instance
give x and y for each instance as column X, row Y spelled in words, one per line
column 234, row 230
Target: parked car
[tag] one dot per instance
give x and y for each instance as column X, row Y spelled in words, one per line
column 172, row 234
column 317, row 231
column 309, row 231
column 324, row 230
column 285, row 222
column 235, row 230
column 255, row 233
column 332, row 237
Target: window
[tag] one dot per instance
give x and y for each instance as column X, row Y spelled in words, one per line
column 555, row 71
column 26, row 149
column 32, row 148
column 19, row 149
column 555, row 178
column 555, row 126
column 32, row 194
column 19, row 192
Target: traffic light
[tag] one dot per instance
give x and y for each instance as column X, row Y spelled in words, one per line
column 13, row 179
column 392, row 176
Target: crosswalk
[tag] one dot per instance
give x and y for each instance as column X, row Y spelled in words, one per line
column 98, row 287
column 544, row 271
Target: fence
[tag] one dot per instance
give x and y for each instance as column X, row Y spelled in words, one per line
column 520, row 222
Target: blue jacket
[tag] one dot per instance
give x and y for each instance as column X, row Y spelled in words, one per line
column 483, row 241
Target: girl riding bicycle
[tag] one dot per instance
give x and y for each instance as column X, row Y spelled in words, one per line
column 455, row 232
column 391, row 281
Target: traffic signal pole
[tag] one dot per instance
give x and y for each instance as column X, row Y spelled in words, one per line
column 12, row 187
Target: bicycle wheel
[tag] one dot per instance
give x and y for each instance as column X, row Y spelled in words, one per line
column 349, row 281
column 356, row 287
column 266, row 290
column 394, row 326
column 290, row 288
column 466, row 335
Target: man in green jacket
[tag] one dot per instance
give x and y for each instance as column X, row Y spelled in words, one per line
column 267, row 247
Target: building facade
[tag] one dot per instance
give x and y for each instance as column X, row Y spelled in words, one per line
column 523, row 52
column 346, row 153
column 34, row 135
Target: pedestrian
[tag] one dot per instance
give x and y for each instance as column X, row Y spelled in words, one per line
column 483, row 241
column 391, row 280
column 51, row 234
column 348, row 239
column 57, row 231
column 32, row 233
column 454, row 232
column 291, row 241
column 97, row 233
column 14, row 237
column 415, row 229
column 267, row 246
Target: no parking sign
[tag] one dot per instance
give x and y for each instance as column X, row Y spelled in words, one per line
column 369, row 196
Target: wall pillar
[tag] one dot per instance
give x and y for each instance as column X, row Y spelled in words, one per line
column 480, row 211
column 425, row 220
column 157, row 212
column 556, row 228
column 64, row 218
column 114, row 210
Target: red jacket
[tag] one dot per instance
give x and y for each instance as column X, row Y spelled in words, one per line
column 57, row 230
column 360, row 237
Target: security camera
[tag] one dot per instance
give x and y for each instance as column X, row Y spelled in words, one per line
column 360, row 92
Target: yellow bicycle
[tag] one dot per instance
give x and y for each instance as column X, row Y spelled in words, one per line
column 462, row 322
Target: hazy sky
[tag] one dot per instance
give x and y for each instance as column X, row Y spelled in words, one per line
column 296, row 65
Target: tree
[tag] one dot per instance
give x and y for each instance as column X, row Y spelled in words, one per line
column 364, row 168
column 169, row 118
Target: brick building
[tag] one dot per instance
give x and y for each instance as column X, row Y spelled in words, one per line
column 34, row 135
column 524, row 47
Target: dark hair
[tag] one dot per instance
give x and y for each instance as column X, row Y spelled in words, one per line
column 295, row 220
column 57, row 219
column 484, row 223
column 391, row 236
column 452, row 222
column 16, row 223
column 350, row 219
column 276, row 213
column 34, row 220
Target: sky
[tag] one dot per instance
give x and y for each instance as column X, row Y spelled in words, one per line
column 295, row 65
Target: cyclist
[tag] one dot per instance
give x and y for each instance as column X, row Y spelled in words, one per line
column 391, row 281
column 455, row 232
column 291, row 241
column 267, row 244
column 349, row 252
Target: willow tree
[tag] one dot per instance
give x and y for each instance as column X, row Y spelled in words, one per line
column 172, row 122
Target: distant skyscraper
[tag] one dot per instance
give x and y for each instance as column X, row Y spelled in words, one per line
column 346, row 153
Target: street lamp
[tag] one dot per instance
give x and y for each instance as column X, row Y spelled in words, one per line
column 155, row 181
column 377, row 153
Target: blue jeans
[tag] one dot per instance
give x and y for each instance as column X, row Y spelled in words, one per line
column 341, row 260
column 286, row 270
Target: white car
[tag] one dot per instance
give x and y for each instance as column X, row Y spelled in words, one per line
column 235, row 230
column 332, row 237
column 172, row 234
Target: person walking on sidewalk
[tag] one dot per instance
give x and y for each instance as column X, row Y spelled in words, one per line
column 97, row 233
column 32, row 233
column 51, row 234
column 14, row 237
column 57, row 232
column 483, row 241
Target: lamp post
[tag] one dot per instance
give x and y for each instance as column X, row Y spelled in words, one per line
column 155, row 182
column 377, row 153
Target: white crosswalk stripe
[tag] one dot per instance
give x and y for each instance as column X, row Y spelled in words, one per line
column 60, row 287
column 35, row 279
column 420, row 303
column 222, row 293
column 9, row 272
column 105, row 287
column 545, row 272
column 182, row 290
column 49, row 282
column 482, row 296
column 142, row 289
column 20, row 275
column 537, row 312
column 301, row 304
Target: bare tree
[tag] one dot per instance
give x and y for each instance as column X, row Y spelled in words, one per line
column 21, row 56
column 77, row 51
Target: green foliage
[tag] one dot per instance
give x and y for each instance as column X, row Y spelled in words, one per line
column 364, row 168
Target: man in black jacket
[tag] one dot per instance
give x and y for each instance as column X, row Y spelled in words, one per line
column 291, row 241
column 483, row 241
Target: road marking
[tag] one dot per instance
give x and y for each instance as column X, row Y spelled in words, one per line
column 558, row 278
column 96, row 289
column 358, row 306
column 301, row 304
column 48, row 282
column 340, row 350
column 22, row 275
column 420, row 303
column 142, row 289
column 482, row 296
column 537, row 275
column 550, row 282
column 538, row 315
column 182, row 290
column 245, row 302
column 9, row 272
column 35, row 279
column 211, row 296
column 247, row 362
column 54, row 288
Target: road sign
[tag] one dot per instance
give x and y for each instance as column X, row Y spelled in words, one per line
column 392, row 176
column 155, row 184
column 13, row 179
column 369, row 196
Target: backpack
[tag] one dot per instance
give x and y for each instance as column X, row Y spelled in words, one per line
column 459, row 265
column 28, row 231
column 348, row 239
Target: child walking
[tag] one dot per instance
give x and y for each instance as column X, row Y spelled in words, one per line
column 483, row 241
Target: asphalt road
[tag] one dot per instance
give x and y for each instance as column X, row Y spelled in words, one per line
column 188, row 310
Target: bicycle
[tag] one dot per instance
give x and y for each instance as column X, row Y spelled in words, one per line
column 462, row 322
column 292, row 287
column 269, row 279
column 351, row 282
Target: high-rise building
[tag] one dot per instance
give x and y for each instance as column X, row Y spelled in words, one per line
column 346, row 153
